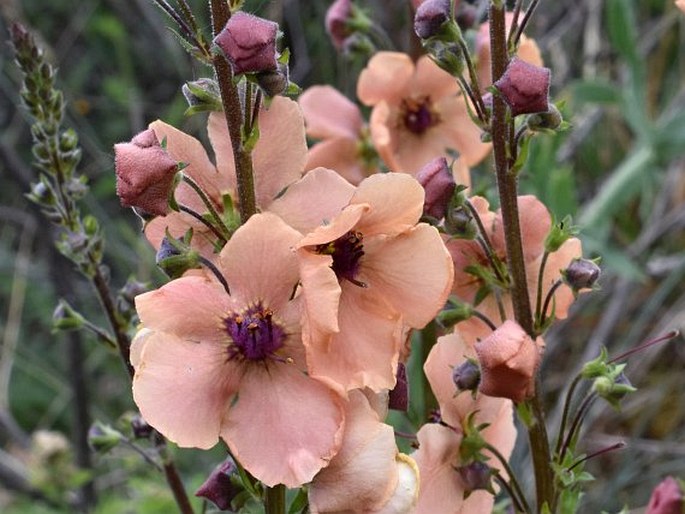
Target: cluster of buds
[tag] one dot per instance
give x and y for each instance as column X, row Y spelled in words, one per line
column 440, row 35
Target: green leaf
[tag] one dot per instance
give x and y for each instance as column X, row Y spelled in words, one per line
column 595, row 91
column 620, row 18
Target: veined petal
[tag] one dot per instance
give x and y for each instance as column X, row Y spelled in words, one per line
column 285, row 427
column 338, row 226
column 432, row 81
column 459, row 132
column 396, row 202
column 190, row 307
column 313, row 200
column 412, row 271
column 182, row 388
column 340, row 154
column 321, row 293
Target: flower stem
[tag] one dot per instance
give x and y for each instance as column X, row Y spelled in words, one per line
column 234, row 118
column 507, row 189
column 429, row 337
column 274, row 499
column 514, row 486
column 210, row 206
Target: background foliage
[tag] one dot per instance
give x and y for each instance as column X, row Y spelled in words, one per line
column 619, row 66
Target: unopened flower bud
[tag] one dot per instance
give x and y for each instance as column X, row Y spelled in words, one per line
column 476, row 476
column 145, row 173
column 174, row 257
column 338, row 18
column 447, row 55
column 459, row 223
column 203, row 93
column 558, row 234
column 140, row 427
column 358, row 44
column 457, row 313
column 438, row 183
column 430, row 16
column 613, row 390
column 548, row 120
column 466, row 376
column 398, row 399
column 667, row 498
column 509, row 359
column 42, row 194
column 581, row 274
column 466, row 16
column 66, row 318
column 102, row 438
column 219, row 488
column 249, row 43
column 525, row 87
column 274, row 82
column 131, row 289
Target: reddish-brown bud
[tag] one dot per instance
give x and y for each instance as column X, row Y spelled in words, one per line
column 525, row 87
column 430, row 16
column 249, row 43
column 475, row 477
column 667, row 498
column 219, row 488
column 436, row 179
column 398, row 399
column 338, row 17
column 145, row 173
column 508, row 360
column 581, row 274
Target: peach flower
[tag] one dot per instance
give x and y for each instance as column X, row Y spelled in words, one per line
column 535, row 224
column 441, row 488
column 213, row 364
column 680, row 4
column 338, row 123
column 365, row 475
column 278, row 159
column 418, row 112
column 367, row 271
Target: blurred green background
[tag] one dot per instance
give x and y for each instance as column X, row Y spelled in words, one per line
column 619, row 68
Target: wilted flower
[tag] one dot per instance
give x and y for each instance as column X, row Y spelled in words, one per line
column 249, row 43
column 438, row 183
column 211, row 364
column 219, row 487
column 338, row 17
column 525, row 87
column 430, row 16
column 145, row 173
column 509, row 359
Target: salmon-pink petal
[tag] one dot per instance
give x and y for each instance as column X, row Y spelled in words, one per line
column 465, row 253
column 431, row 81
column 328, row 113
column 338, row 226
column 340, row 154
column 458, row 131
column 529, row 51
column 321, row 293
column 501, row 433
column 412, row 271
column 279, row 155
column 137, row 345
column 313, row 200
column 535, row 224
column 381, row 120
column 365, row 352
column 284, row 426
column 190, row 307
column 363, row 475
column 449, row 352
column 461, row 173
column 187, row 149
column 396, row 202
column 440, row 488
column 183, row 388
column 281, row 152
column 259, row 262
column 386, row 77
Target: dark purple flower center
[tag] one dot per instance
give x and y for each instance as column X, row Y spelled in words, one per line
column 418, row 116
column 346, row 252
column 255, row 334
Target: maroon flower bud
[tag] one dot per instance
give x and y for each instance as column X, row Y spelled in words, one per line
column 249, row 43
column 667, row 498
column 398, row 399
column 476, row 476
column 581, row 274
column 274, row 82
column 436, row 179
column 467, row 16
column 525, row 87
column 430, row 16
column 145, row 173
column 466, row 376
column 338, row 16
column 219, row 488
